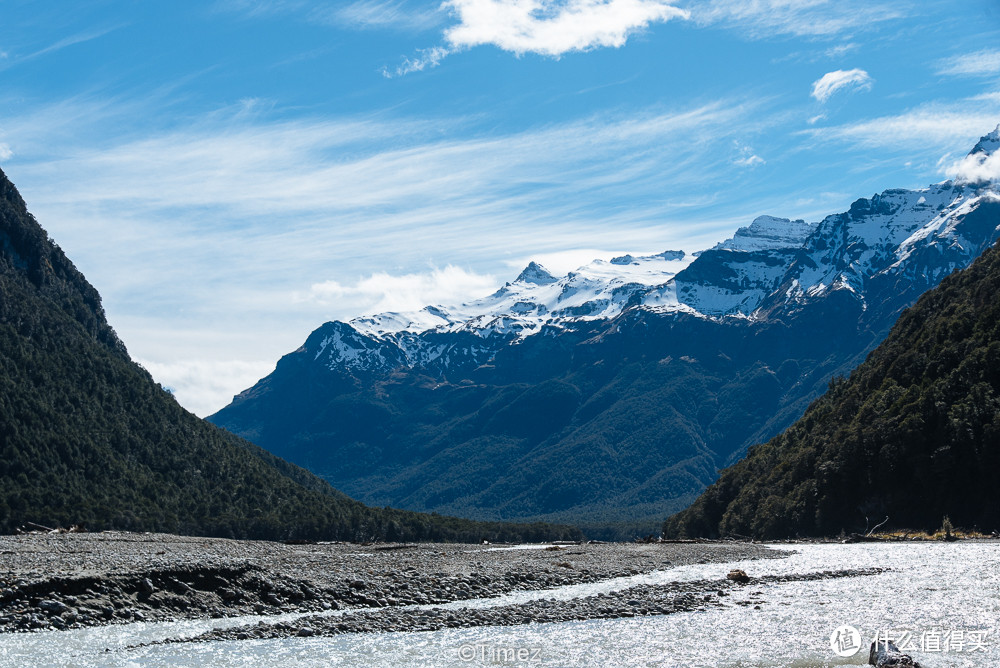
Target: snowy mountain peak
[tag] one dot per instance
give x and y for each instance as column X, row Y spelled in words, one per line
column 769, row 233
column 623, row 259
column 988, row 144
column 896, row 241
column 535, row 273
column 669, row 256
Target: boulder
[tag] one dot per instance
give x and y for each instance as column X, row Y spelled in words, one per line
column 53, row 607
column 885, row 653
column 738, row 575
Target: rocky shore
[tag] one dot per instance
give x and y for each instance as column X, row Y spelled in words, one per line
column 66, row 581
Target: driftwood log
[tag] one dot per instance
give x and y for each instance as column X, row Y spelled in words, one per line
column 885, row 653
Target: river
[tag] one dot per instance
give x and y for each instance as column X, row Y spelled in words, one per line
column 942, row 600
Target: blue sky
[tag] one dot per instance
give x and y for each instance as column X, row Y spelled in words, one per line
column 232, row 174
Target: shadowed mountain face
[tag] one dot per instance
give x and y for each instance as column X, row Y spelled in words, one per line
column 87, row 437
column 615, row 393
column 913, row 435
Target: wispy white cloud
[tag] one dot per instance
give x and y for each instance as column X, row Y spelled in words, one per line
column 408, row 15
column 204, row 386
column 337, row 167
column 5, row 152
column 381, row 291
column 977, row 168
column 259, row 8
column 426, row 59
column 987, row 97
column 6, row 61
column 380, row 15
column 550, row 27
column 561, row 262
column 747, row 156
column 750, row 161
column 841, row 50
column 831, row 82
column 980, row 63
column 810, row 18
column 933, row 128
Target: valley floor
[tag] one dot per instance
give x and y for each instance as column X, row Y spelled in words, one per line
column 66, row 581
column 118, row 599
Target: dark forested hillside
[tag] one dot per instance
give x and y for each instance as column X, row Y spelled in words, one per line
column 87, row 437
column 912, row 435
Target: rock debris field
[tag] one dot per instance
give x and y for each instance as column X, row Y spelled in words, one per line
column 66, row 581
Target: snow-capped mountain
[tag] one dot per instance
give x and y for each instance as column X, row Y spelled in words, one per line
column 600, row 290
column 989, row 144
column 770, row 266
column 615, row 392
column 536, row 298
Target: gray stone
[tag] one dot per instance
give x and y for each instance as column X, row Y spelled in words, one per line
column 53, row 607
column 885, row 653
column 738, row 575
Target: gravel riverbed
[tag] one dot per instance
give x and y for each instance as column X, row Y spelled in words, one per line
column 65, row 581
column 638, row 601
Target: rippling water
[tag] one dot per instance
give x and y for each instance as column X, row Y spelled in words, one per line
column 934, row 589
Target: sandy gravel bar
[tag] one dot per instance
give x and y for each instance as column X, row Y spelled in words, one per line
column 72, row 580
column 637, row 601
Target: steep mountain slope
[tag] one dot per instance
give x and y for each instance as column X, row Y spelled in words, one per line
column 87, row 437
column 912, row 435
column 614, row 393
